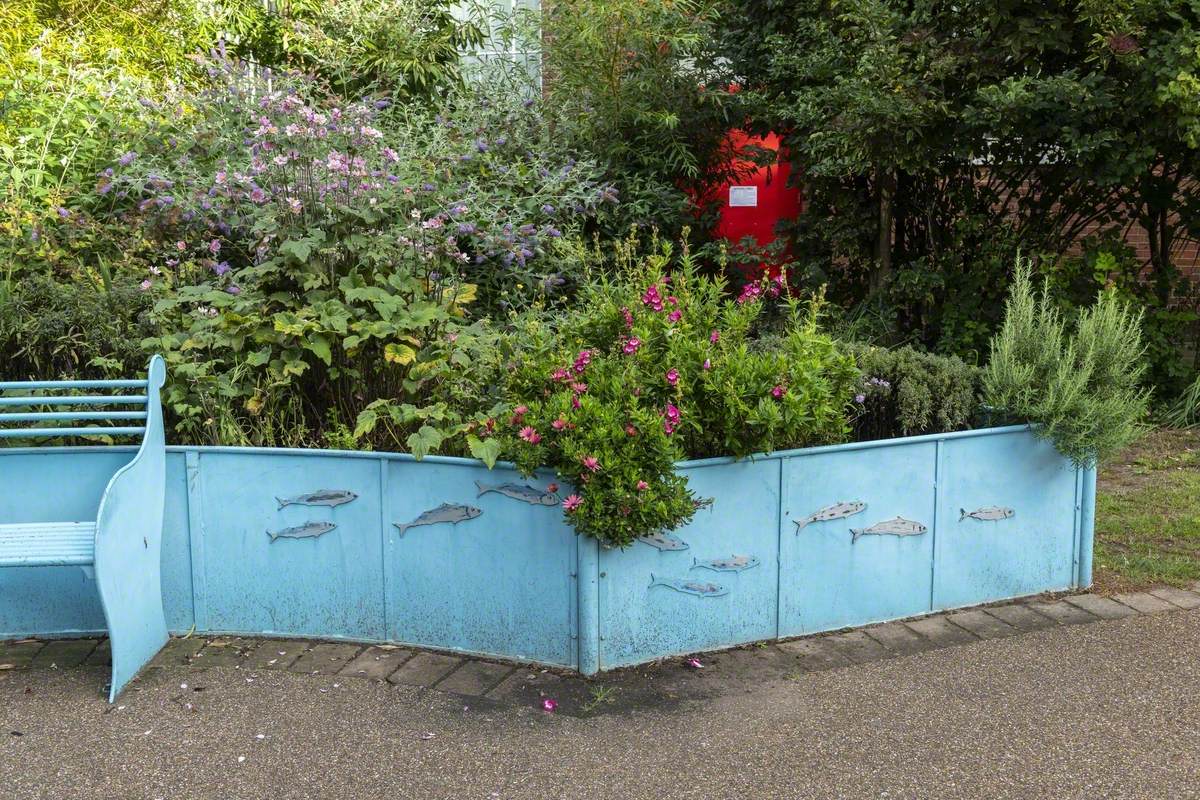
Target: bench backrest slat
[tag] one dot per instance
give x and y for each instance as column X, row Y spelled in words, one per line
column 52, row 416
column 36, row 403
column 77, row 400
column 22, row 433
column 130, row 383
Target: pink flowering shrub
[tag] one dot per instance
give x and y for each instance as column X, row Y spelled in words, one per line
column 658, row 365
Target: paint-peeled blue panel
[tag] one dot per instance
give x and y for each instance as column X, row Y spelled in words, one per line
column 657, row 601
column 828, row 577
column 53, row 485
column 1006, row 519
column 257, row 572
column 496, row 581
column 176, row 549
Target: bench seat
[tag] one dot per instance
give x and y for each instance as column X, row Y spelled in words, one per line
column 48, row 544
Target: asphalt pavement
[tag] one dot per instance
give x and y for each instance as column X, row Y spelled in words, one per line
column 1109, row 709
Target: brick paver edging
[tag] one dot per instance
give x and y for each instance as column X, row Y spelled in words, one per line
column 512, row 684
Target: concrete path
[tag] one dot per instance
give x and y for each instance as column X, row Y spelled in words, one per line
column 957, row 705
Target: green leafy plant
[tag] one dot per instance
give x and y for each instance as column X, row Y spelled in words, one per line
column 1169, row 304
column 1185, row 411
column 309, row 256
column 1080, row 387
column 906, row 392
column 87, row 326
column 406, row 49
column 656, row 365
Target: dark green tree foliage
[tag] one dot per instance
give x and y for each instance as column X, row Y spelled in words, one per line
column 936, row 139
column 639, row 87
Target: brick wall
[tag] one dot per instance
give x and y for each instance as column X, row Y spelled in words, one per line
column 1185, row 253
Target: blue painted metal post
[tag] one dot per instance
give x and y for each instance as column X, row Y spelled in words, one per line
column 196, row 539
column 587, row 568
column 1087, row 527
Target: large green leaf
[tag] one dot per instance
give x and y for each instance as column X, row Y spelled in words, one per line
column 320, row 347
column 298, row 250
column 486, row 450
column 425, row 441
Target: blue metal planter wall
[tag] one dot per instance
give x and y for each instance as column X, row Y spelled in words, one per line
column 509, row 577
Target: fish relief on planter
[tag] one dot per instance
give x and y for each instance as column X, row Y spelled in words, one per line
column 663, row 541
column 836, row 511
column 897, row 526
column 687, row 586
column 986, row 514
column 322, row 497
column 309, row 530
column 520, row 491
column 453, row 513
column 734, row 563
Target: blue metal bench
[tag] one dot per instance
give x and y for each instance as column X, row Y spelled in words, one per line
column 121, row 546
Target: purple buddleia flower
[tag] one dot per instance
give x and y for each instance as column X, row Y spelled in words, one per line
column 127, row 158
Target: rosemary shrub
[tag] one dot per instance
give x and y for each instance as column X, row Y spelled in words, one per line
column 1080, row 385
